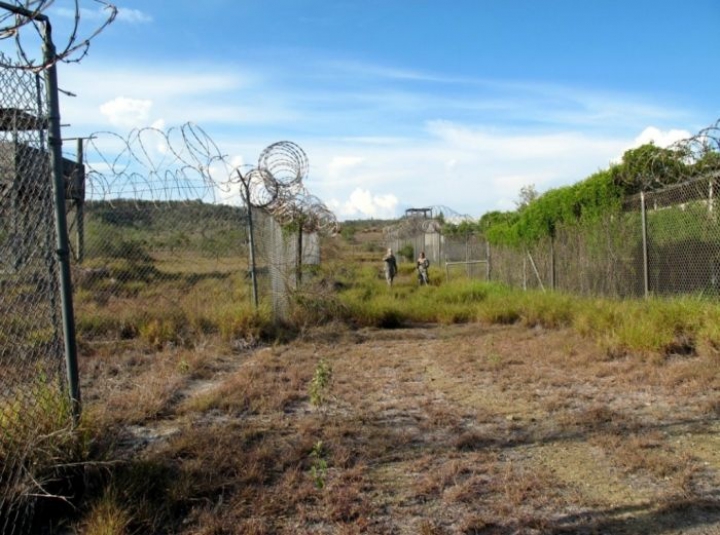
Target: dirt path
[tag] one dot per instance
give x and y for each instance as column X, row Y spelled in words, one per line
column 450, row 429
column 509, row 429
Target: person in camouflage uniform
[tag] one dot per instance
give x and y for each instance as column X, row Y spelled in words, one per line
column 422, row 266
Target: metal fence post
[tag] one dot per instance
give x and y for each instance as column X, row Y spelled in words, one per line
column 80, row 203
column 299, row 254
column 251, row 248
column 552, row 263
column 646, row 270
column 467, row 253
column 488, row 269
column 63, row 249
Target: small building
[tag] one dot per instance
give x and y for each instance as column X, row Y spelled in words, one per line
column 424, row 213
column 26, row 186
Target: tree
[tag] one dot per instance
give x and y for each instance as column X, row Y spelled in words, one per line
column 707, row 162
column 527, row 195
column 649, row 167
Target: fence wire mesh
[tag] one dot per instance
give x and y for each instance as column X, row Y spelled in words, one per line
column 683, row 238
column 465, row 255
column 165, row 234
column 602, row 258
column 160, row 255
column 287, row 259
column 665, row 240
column 34, row 405
column 679, row 255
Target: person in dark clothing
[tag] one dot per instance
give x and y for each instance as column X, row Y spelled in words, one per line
column 390, row 267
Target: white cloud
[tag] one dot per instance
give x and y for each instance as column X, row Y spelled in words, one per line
column 201, row 94
column 363, row 205
column 133, row 16
column 528, row 145
column 127, row 112
column 166, row 82
column 465, row 168
column 659, row 137
column 651, row 134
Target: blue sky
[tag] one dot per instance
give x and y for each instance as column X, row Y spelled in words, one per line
column 403, row 103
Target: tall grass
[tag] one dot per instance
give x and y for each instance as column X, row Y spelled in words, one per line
column 39, row 449
column 658, row 326
column 183, row 309
column 176, row 311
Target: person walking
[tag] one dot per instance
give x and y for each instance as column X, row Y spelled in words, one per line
column 422, row 266
column 390, row 267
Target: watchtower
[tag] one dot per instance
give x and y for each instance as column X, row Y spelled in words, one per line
column 423, row 213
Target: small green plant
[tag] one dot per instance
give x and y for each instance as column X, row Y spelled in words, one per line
column 407, row 252
column 183, row 366
column 320, row 383
column 348, row 233
column 318, row 470
column 494, row 360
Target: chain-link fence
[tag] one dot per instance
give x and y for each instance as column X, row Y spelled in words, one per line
column 664, row 242
column 466, row 255
column 414, row 234
column 34, row 402
column 287, row 260
column 160, row 255
column 458, row 254
column 599, row 258
column 682, row 238
column 184, row 239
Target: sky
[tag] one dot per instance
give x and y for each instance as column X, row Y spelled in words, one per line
column 404, row 103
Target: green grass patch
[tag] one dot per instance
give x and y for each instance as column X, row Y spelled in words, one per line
column 658, row 326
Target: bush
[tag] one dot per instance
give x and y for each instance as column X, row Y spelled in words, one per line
column 407, row 252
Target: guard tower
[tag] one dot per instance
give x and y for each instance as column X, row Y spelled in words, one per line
column 422, row 213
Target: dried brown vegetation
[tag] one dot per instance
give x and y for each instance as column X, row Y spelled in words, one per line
column 466, row 429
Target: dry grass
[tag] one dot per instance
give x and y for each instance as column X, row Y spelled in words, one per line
column 543, row 417
column 454, row 429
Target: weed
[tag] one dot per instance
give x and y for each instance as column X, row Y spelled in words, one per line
column 183, row 366
column 319, row 465
column 107, row 517
column 320, row 383
column 495, row 360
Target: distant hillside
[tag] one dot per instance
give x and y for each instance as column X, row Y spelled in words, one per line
column 111, row 226
column 165, row 215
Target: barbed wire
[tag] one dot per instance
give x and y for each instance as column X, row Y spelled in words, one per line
column 308, row 212
column 21, row 19
column 286, row 161
column 283, row 166
column 184, row 163
column 180, row 163
column 684, row 160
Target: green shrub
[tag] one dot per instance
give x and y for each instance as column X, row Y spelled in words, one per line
column 407, row 252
